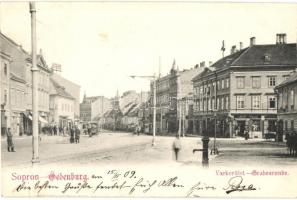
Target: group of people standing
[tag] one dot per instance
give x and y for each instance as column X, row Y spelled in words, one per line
column 74, row 134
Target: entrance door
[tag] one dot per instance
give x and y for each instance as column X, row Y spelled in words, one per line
column 241, row 127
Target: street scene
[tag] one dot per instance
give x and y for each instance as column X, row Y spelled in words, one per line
column 120, row 148
column 87, row 84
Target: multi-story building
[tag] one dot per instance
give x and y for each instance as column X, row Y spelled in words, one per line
column 61, row 105
column 21, row 86
column 4, row 91
column 170, row 92
column 236, row 94
column 43, row 90
column 72, row 88
column 287, row 106
column 18, row 104
column 86, row 108
column 17, row 83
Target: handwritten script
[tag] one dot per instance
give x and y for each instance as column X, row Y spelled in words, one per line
column 127, row 183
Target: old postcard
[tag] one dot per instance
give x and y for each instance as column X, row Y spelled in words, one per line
column 148, row 99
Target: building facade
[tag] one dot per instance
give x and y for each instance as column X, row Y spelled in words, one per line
column 72, row 88
column 21, row 87
column 61, row 105
column 287, row 107
column 172, row 93
column 18, row 104
column 17, row 83
column 86, row 108
column 236, row 94
column 4, row 91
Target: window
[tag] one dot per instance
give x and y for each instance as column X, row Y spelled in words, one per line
column 213, row 103
column 223, row 83
column 256, row 102
column 292, row 125
column 218, row 85
column 256, row 82
column 227, row 102
column 292, row 99
column 5, row 96
column 240, row 102
column 218, row 103
column 240, row 82
column 271, row 81
column 286, row 77
column 227, row 83
column 223, row 103
column 271, row 102
column 5, row 69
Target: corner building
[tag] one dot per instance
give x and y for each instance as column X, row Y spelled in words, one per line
column 236, row 94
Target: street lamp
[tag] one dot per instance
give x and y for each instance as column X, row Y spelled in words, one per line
column 35, row 156
column 154, row 102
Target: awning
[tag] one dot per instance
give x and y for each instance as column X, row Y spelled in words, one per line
column 42, row 120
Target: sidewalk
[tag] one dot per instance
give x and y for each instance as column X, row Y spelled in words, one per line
column 59, row 147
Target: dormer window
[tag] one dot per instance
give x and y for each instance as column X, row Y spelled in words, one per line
column 228, row 60
column 267, row 58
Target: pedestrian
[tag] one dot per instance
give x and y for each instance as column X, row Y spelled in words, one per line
column 176, row 146
column 10, row 146
column 55, row 130
column 89, row 130
column 138, row 130
column 60, row 130
column 246, row 135
column 65, row 131
column 72, row 133
column 77, row 134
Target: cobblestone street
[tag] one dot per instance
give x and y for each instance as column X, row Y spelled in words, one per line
column 121, row 148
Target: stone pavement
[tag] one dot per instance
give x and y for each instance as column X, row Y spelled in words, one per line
column 122, row 148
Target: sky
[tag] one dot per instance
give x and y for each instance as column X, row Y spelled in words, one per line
column 100, row 44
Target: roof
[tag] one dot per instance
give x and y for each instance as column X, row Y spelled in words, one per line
column 291, row 79
column 16, row 78
column 60, row 90
column 278, row 54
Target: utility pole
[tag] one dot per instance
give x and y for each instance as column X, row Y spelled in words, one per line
column 35, row 157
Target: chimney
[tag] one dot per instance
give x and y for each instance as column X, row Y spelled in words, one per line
column 233, row 49
column 252, row 41
column 240, row 45
column 202, row 64
column 281, row 38
column 277, row 38
column 284, row 38
column 196, row 66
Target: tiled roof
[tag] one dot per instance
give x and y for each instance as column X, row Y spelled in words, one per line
column 291, row 79
column 276, row 54
column 60, row 90
column 280, row 54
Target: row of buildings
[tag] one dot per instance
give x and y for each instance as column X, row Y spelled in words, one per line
column 118, row 113
column 252, row 90
column 58, row 98
column 232, row 96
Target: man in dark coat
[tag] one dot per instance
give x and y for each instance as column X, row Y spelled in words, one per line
column 10, row 146
column 72, row 133
column 77, row 134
